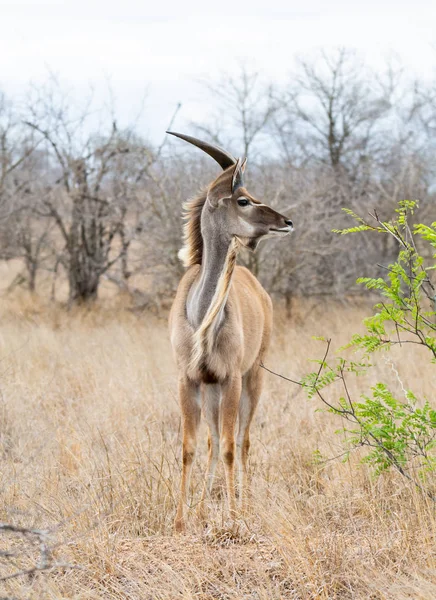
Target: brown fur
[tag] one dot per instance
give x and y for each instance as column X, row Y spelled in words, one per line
column 192, row 251
column 238, row 342
column 239, row 350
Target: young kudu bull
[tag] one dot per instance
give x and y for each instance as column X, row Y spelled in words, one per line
column 220, row 322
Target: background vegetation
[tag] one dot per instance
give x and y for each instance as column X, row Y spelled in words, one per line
column 85, row 201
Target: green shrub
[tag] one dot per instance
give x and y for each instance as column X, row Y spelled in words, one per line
column 398, row 432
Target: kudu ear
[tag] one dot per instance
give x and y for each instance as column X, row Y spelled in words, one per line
column 226, row 188
column 238, row 173
column 216, row 194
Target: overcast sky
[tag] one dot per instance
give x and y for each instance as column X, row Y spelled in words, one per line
column 166, row 49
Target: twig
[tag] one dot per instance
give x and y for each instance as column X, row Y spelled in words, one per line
column 281, row 376
column 45, row 562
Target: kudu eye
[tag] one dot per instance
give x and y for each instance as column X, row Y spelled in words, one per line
column 243, row 202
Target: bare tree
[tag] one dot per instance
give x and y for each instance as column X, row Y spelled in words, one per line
column 334, row 108
column 91, row 186
column 22, row 233
column 245, row 106
column 16, row 145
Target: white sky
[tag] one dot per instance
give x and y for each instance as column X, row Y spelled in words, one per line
column 165, row 47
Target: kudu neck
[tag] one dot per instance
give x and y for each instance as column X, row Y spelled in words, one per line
column 207, row 303
column 215, row 250
column 213, row 283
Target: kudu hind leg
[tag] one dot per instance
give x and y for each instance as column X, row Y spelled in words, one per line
column 231, row 393
column 211, row 406
column 251, row 390
column 191, row 412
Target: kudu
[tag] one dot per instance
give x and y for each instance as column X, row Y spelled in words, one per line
column 220, row 322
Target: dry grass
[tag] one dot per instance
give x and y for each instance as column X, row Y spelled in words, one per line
column 90, row 444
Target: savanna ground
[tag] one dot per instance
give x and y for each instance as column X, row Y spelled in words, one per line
column 90, row 445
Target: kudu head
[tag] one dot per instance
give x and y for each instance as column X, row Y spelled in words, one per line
column 230, row 209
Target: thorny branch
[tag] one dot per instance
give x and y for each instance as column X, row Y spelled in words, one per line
column 42, row 538
column 398, row 432
column 371, row 439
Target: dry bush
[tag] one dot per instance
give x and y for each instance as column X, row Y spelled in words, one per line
column 90, row 442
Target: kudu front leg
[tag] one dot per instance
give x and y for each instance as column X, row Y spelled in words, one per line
column 190, row 405
column 231, row 393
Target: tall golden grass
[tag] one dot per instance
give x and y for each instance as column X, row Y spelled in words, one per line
column 90, row 446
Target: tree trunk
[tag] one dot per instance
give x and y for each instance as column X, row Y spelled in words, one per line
column 83, row 278
column 86, row 244
column 32, row 268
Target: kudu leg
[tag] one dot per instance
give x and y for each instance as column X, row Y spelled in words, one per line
column 191, row 412
column 211, row 408
column 251, row 390
column 231, row 393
